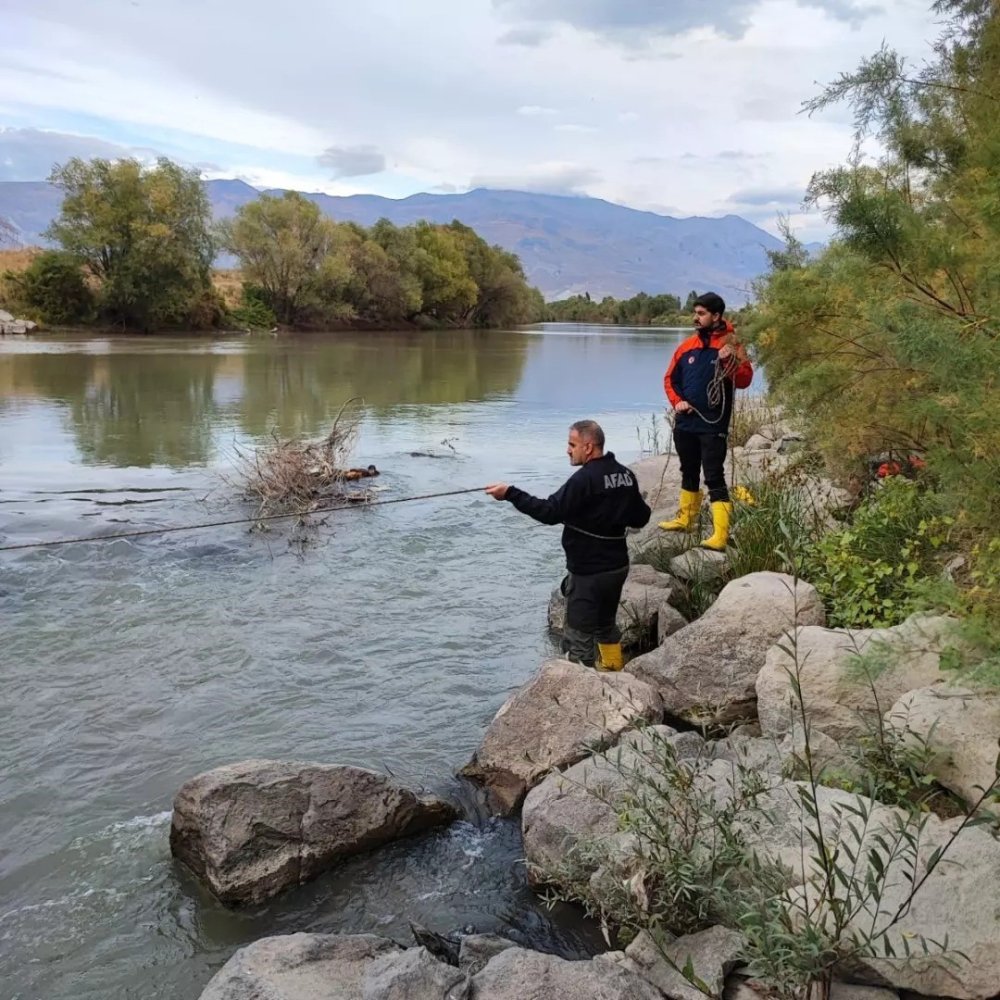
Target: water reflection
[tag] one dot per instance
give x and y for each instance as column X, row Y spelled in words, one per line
column 143, row 403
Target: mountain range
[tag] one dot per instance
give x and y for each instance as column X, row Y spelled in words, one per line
column 567, row 244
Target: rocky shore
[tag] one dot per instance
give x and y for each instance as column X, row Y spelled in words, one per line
column 731, row 694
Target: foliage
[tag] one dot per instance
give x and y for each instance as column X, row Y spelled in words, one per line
column 9, row 233
column 253, row 312
column 53, row 288
column 142, row 234
column 870, row 572
column 313, row 271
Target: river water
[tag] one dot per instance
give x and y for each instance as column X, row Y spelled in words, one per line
column 389, row 641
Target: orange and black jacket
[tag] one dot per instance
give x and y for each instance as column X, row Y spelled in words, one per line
column 691, row 371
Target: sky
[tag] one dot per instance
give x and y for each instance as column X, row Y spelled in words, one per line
column 682, row 107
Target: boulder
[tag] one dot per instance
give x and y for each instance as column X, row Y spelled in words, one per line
column 554, row 720
column 848, row 677
column 645, row 614
column 706, row 672
column 787, row 757
column 740, row 988
column 253, row 829
column 961, row 728
column 300, row 967
column 713, row 954
column 476, row 951
column 959, row 902
column 580, row 802
column 517, row 974
column 413, row 974
column 699, row 565
column 758, row 442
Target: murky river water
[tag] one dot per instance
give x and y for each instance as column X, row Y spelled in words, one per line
column 128, row 666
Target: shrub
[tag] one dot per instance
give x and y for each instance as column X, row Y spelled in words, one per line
column 53, row 287
column 870, row 572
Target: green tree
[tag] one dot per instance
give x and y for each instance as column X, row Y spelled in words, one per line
column 142, row 233
column 53, row 287
column 282, row 243
column 449, row 291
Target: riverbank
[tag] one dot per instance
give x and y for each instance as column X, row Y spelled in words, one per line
column 744, row 735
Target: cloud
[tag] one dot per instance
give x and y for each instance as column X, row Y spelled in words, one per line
column 635, row 21
column 542, row 178
column 781, row 196
column 352, row 161
column 529, row 37
column 535, row 111
column 29, row 154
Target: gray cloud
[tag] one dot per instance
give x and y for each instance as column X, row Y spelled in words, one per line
column 560, row 178
column 352, row 161
column 29, row 154
column 530, row 37
column 637, row 20
column 782, row 196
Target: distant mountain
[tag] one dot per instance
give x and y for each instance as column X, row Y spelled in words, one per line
column 567, row 244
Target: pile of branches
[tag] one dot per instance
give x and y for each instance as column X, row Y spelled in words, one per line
column 295, row 477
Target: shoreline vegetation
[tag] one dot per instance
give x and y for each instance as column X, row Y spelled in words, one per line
column 134, row 250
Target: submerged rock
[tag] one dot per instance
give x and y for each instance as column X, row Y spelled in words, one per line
column 253, row 829
column 557, row 718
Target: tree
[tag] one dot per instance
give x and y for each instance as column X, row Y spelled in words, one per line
column 142, row 233
column 449, row 290
column 689, row 301
column 281, row 243
column 54, row 287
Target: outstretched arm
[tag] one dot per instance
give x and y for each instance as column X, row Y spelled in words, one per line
column 552, row 510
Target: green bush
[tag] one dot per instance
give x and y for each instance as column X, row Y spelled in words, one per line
column 253, row 313
column 53, row 287
column 871, row 572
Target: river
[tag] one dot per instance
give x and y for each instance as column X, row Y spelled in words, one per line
column 389, row 641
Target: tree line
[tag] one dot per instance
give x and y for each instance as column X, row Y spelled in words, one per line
column 642, row 309
column 136, row 245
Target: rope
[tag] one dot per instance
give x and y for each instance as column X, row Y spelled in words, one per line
column 236, row 520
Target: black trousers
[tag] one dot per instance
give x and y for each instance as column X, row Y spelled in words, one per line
column 703, row 451
column 592, row 601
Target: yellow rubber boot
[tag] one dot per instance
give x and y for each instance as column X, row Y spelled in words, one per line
column 722, row 512
column 687, row 516
column 609, row 656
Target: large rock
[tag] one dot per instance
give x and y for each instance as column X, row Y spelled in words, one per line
column 516, row 974
column 251, row 830
column 556, row 719
column 961, row 728
column 706, row 672
column 580, row 803
column 848, row 678
column 300, row 967
column 645, row 615
column 698, row 565
column 712, row 954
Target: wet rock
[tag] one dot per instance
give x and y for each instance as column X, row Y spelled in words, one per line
column 645, row 614
column 849, row 677
column 253, row 829
column 476, row 950
column 555, row 719
column 706, row 673
column 713, row 954
column 960, row 727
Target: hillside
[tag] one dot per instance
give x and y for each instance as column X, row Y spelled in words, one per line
column 567, row 244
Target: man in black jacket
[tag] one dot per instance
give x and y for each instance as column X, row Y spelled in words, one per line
column 595, row 506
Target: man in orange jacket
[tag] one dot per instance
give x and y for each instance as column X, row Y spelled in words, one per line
column 700, row 382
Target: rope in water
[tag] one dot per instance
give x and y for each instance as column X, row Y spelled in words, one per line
column 235, row 520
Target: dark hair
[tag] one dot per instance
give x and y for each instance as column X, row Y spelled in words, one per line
column 712, row 302
column 589, row 429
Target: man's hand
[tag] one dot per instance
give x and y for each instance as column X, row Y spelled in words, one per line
column 497, row 490
column 683, row 406
column 725, row 352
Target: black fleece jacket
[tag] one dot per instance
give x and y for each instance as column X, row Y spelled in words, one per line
column 600, row 499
